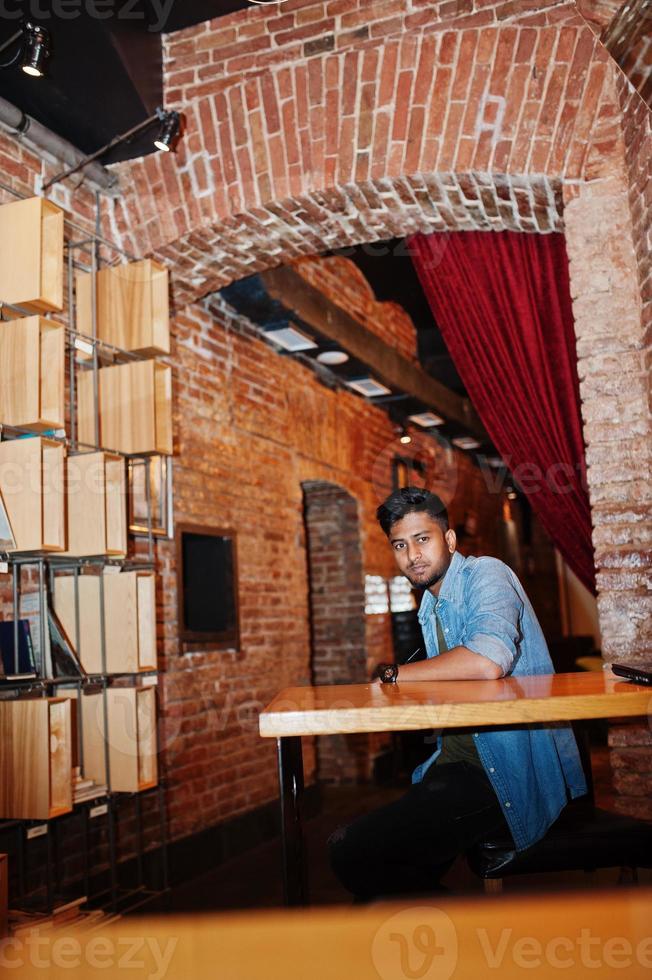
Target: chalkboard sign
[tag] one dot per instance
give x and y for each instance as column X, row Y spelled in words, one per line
column 208, row 590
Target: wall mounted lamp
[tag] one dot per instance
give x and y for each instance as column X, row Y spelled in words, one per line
column 168, row 136
column 33, row 51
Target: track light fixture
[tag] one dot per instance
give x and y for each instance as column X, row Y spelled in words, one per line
column 36, row 51
column 33, row 51
column 170, row 128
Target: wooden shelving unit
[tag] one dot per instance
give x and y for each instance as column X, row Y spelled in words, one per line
column 96, row 492
column 32, row 353
column 66, row 495
column 31, row 483
column 31, row 256
column 35, row 758
column 131, row 306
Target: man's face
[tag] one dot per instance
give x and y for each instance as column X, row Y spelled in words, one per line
column 422, row 550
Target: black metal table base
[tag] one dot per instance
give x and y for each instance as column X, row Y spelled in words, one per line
column 290, row 774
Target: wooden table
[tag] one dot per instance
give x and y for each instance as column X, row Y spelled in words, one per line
column 351, row 708
column 587, row 935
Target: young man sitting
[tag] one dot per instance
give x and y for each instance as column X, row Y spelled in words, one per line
column 477, row 623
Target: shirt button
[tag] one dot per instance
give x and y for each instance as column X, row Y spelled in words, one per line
column 475, row 735
column 446, row 630
column 507, row 803
column 491, row 769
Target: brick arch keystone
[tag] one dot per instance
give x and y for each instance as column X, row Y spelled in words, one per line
column 356, row 147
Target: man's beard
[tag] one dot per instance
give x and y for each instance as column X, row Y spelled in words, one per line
column 435, row 577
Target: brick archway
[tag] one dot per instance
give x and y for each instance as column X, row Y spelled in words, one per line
column 360, row 146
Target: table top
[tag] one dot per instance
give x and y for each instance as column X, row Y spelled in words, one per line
column 573, row 934
column 350, row 708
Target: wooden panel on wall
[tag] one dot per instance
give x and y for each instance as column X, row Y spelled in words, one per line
column 132, row 306
column 120, row 620
column 53, row 497
column 35, row 758
column 31, row 255
column 60, row 757
column 115, row 475
column 96, row 496
column 147, row 760
column 32, row 352
column 135, row 401
column 32, row 486
column 146, row 620
column 4, row 895
column 132, row 738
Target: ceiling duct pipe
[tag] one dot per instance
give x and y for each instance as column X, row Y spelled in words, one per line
column 44, row 139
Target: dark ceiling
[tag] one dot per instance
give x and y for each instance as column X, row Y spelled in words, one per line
column 105, row 71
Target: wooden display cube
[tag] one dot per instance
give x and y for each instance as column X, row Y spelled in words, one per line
column 31, row 255
column 97, row 505
column 32, row 487
column 135, row 404
column 132, row 302
column 32, row 352
column 132, row 738
column 35, row 759
column 129, row 619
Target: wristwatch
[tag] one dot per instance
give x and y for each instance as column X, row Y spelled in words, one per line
column 388, row 673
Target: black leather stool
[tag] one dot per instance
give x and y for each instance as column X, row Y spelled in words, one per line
column 584, row 838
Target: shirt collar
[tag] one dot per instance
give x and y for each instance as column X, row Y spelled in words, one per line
column 428, row 600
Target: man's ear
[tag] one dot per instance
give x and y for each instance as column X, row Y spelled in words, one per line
column 451, row 540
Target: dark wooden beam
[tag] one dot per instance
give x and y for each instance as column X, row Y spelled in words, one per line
column 385, row 363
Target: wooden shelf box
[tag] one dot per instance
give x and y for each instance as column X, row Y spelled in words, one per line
column 129, row 620
column 132, row 738
column 35, row 759
column 32, row 353
column 31, row 255
column 97, row 505
column 132, row 303
column 32, row 487
column 135, row 405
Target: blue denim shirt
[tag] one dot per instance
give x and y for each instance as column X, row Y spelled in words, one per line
column 482, row 606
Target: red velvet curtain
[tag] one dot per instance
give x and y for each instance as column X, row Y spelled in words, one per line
column 502, row 302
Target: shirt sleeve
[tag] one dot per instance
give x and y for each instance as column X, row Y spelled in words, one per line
column 493, row 614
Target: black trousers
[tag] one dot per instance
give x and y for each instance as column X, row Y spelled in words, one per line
column 405, row 847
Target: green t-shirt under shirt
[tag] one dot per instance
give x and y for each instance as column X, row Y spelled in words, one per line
column 455, row 747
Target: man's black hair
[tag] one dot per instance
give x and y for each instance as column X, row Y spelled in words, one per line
column 410, row 500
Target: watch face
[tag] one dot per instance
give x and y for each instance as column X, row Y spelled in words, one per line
column 388, row 673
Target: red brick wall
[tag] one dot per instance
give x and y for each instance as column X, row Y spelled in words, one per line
column 343, row 283
column 631, row 757
column 337, row 617
column 208, row 57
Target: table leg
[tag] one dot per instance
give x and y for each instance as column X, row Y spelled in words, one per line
column 290, row 775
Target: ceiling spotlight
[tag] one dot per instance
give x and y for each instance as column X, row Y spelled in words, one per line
column 368, row 387
column 333, row 357
column 169, row 133
column 291, row 338
column 426, row 419
column 466, row 442
column 36, row 49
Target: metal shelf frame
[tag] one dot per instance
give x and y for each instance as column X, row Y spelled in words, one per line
column 47, row 565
